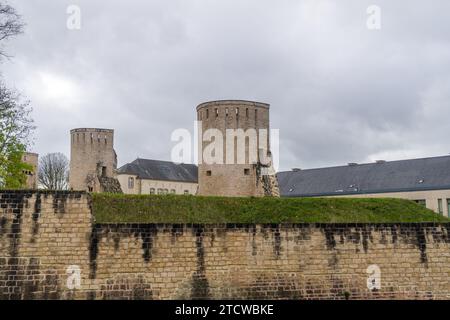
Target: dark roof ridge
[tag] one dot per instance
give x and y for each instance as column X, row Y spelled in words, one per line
column 367, row 163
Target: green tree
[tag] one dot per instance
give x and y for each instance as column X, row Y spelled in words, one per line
column 15, row 122
column 14, row 176
column 15, row 128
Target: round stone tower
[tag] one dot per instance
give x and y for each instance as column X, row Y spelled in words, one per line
column 92, row 158
column 229, row 174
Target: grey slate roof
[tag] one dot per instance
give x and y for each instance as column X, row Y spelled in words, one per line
column 161, row 170
column 392, row 176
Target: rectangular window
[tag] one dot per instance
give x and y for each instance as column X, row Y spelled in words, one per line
column 208, row 173
column 160, row 191
column 217, row 112
column 186, row 192
column 207, row 113
column 247, row 172
column 448, row 208
column 152, row 190
column 440, row 206
column 130, row 183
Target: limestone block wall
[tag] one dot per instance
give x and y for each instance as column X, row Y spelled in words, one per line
column 48, row 239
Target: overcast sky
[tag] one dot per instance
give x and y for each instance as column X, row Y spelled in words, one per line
column 339, row 92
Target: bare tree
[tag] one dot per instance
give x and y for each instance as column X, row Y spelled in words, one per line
column 10, row 23
column 53, row 173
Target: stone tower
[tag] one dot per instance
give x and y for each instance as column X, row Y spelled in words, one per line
column 236, row 177
column 93, row 161
column 32, row 159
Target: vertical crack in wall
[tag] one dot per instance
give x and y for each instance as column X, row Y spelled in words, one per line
column 93, row 251
column 276, row 240
column 35, row 216
column 147, row 233
column 254, row 246
column 331, row 244
column 422, row 244
column 200, row 285
column 59, row 201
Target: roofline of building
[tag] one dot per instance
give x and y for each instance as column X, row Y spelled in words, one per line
column 348, row 193
column 91, row 130
column 237, row 102
column 364, row 164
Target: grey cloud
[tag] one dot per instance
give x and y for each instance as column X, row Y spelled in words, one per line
column 339, row 92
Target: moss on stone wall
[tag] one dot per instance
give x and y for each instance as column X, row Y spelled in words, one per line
column 115, row 208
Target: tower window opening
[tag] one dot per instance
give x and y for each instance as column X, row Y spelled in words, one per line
column 106, row 140
column 207, row 113
column 237, row 111
column 217, row 112
column 98, row 138
column 256, row 115
column 92, row 138
column 208, row 173
column 90, row 189
column 226, row 112
column 103, row 171
column 246, row 112
column 84, row 137
column 247, row 172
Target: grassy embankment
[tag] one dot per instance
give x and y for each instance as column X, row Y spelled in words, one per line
column 115, row 208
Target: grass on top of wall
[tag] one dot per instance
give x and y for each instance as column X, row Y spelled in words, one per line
column 119, row 208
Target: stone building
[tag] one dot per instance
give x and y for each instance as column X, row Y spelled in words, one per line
column 425, row 181
column 145, row 176
column 32, row 159
column 238, row 178
column 93, row 161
